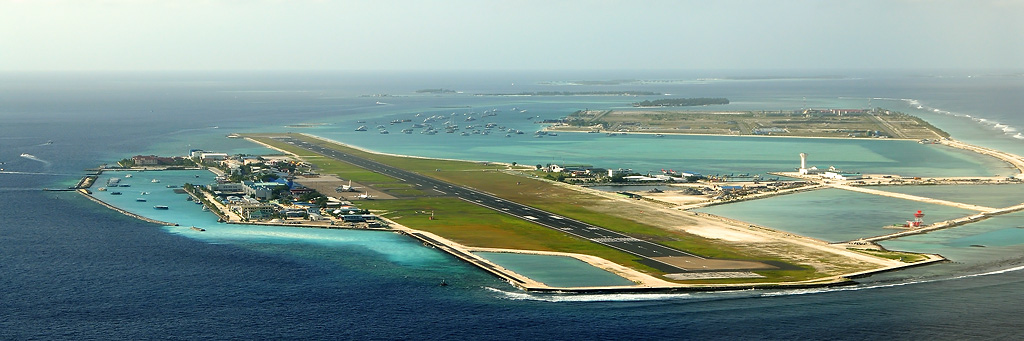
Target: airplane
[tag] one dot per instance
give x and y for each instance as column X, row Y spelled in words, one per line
column 346, row 188
column 366, row 196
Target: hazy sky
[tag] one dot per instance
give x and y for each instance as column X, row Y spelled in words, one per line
column 508, row 34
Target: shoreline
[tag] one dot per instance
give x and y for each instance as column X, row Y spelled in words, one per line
column 645, row 283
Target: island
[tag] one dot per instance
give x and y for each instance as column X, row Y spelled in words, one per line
column 823, row 122
column 657, row 242
column 681, row 102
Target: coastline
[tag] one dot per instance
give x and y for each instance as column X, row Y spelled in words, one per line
column 644, row 282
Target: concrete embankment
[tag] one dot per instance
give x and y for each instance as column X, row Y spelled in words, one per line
column 944, row 224
column 1014, row 160
column 914, row 198
column 86, row 194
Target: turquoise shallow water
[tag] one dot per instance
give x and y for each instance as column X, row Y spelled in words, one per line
column 832, row 214
column 390, row 246
column 85, row 272
column 995, row 196
column 556, row 271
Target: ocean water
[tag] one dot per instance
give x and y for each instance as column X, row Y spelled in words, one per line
column 71, row 269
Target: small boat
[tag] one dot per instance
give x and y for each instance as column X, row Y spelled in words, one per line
column 140, row 199
column 127, row 175
column 171, row 186
column 361, row 128
column 443, row 283
column 200, row 229
column 154, row 181
column 115, row 193
column 102, row 189
column 144, row 193
column 161, row 207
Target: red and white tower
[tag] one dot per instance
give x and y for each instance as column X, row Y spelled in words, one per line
column 917, row 220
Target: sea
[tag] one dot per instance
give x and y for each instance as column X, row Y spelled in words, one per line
column 73, row 269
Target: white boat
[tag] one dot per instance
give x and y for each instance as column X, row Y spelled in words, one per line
column 154, row 181
column 127, row 175
column 361, row 128
column 161, row 207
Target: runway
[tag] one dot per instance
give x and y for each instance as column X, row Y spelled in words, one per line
column 649, row 252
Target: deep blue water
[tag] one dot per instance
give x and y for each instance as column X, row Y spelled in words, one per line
column 70, row 269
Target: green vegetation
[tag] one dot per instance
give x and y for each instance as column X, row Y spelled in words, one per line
column 473, row 225
column 681, row 102
column 906, row 257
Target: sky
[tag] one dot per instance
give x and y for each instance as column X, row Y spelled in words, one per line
column 169, row 35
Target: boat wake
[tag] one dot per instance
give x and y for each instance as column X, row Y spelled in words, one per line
column 34, row 158
column 33, row 173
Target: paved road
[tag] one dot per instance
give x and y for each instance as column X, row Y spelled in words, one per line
column 644, row 249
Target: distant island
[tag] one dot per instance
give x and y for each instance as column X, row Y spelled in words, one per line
column 578, row 93
column 682, row 102
column 436, row 91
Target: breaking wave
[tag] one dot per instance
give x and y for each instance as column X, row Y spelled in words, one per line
column 524, row 296
column 1006, row 129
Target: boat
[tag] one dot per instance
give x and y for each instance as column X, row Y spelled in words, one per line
column 127, row 175
column 171, row 186
column 161, row 207
column 102, row 189
column 115, row 193
column 443, row 283
column 200, row 229
column 140, row 199
column 144, row 193
column 154, row 181
column 361, row 128
column 26, row 155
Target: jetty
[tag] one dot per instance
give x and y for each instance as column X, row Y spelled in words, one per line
column 911, row 197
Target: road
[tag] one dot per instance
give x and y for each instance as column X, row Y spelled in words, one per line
column 648, row 251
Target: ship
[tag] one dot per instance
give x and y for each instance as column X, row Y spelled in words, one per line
column 200, row 229
column 140, row 199
column 161, row 207
column 361, row 128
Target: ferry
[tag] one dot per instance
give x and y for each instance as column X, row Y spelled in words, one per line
column 161, row 207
